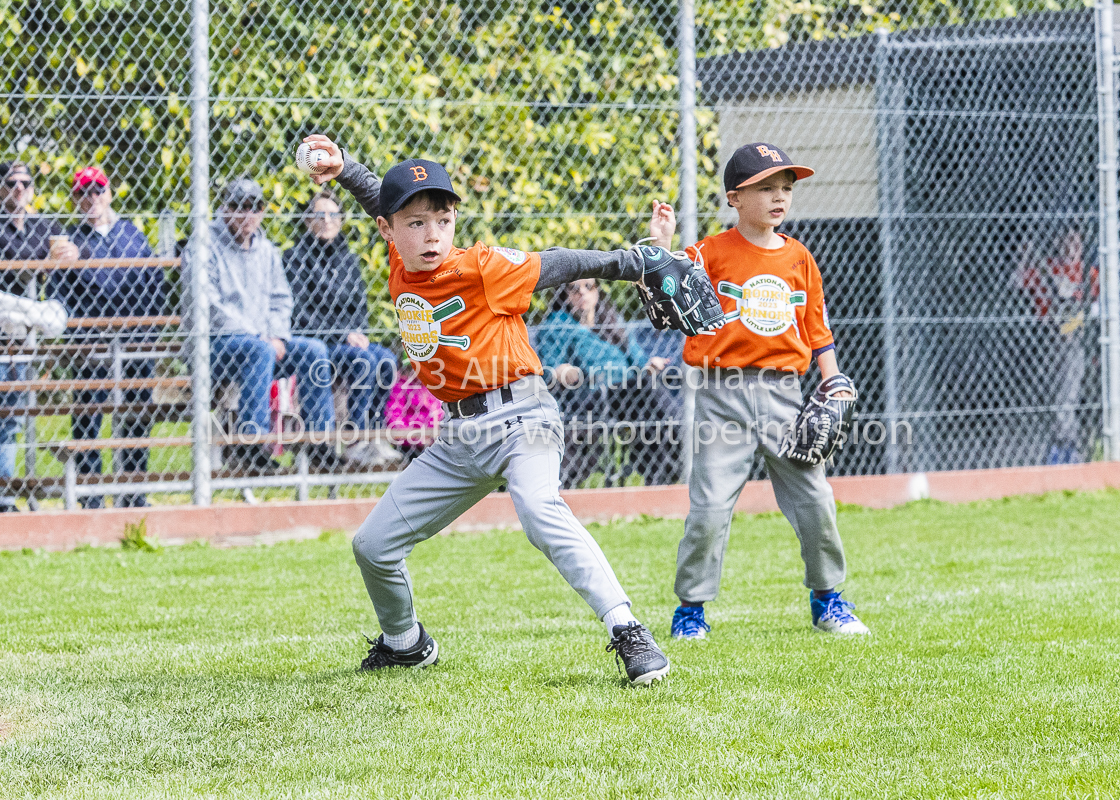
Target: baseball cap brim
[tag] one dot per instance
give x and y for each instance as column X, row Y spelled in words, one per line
column 798, row 170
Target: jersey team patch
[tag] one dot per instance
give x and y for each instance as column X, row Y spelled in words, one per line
column 511, row 255
column 764, row 304
column 421, row 325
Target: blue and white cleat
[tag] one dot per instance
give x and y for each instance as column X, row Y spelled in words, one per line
column 833, row 614
column 688, row 623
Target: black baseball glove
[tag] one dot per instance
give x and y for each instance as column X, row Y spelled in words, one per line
column 678, row 293
column 822, row 423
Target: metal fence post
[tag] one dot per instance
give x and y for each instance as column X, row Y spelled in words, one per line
column 687, row 129
column 890, row 200
column 1109, row 233
column 686, row 67
column 200, row 249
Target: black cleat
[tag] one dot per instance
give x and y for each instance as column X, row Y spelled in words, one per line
column 424, row 653
column 634, row 645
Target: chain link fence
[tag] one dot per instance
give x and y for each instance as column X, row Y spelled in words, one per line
column 954, row 214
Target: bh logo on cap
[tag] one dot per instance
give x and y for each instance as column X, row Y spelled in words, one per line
column 421, row 325
column 775, row 155
column 418, row 174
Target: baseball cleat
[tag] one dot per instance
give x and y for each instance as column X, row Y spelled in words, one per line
column 688, row 623
column 634, row 646
column 424, row 653
column 833, row 614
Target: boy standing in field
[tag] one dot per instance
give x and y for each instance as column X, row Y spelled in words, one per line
column 770, row 288
column 459, row 313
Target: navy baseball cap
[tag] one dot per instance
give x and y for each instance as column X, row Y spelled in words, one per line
column 757, row 161
column 407, row 178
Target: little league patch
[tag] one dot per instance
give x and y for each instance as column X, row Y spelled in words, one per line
column 512, row 256
column 765, row 304
column 420, row 325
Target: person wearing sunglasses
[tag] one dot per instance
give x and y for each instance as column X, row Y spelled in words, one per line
column 250, row 328
column 101, row 233
column 24, row 236
column 330, row 305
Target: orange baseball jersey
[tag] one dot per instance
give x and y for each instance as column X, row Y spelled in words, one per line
column 461, row 324
column 773, row 302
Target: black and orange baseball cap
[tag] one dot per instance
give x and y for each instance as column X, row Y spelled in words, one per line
column 754, row 162
column 410, row 177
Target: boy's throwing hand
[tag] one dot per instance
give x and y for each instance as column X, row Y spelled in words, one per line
column 331, row 167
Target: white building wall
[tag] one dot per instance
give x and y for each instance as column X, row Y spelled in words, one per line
column 830, row 130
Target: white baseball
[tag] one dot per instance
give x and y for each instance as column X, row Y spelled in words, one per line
column 310, row 161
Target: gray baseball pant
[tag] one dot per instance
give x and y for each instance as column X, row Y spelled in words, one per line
column 737, row 412
column 520, row 444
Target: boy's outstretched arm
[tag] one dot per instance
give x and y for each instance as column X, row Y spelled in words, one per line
column 559, row 265
column 352, row 175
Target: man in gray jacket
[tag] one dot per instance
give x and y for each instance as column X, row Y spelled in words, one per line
column 251, row 341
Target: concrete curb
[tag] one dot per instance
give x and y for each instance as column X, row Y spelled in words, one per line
column 60, row 530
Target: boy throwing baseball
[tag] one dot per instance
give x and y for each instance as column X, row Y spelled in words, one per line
column 459, row 313
column 771, row 293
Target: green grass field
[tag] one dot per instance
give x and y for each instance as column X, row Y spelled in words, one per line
column 199, row 672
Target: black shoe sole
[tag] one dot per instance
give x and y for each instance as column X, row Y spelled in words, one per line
column 646, row 678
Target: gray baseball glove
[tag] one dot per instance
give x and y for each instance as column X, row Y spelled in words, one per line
column 822, row 423
column 678, row 293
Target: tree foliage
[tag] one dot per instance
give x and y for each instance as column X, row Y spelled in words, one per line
column 558, row 121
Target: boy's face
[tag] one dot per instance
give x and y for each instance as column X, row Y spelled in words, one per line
column 424, row 235
column 766, row 203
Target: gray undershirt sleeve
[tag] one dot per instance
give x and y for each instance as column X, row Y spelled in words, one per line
column 560, row 265
column 360, row 182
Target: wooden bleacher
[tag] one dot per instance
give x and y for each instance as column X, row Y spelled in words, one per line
column 51, row 265
column 301, row 476
column 112, row 349
column 116, row 347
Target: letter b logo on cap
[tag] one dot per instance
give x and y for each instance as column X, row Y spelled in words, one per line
column 419, row 174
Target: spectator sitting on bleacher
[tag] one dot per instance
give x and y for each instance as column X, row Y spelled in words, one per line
column 602, row 375
column 329, row 298
column 24, row 236
column 109, row 292
column 250, row 316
